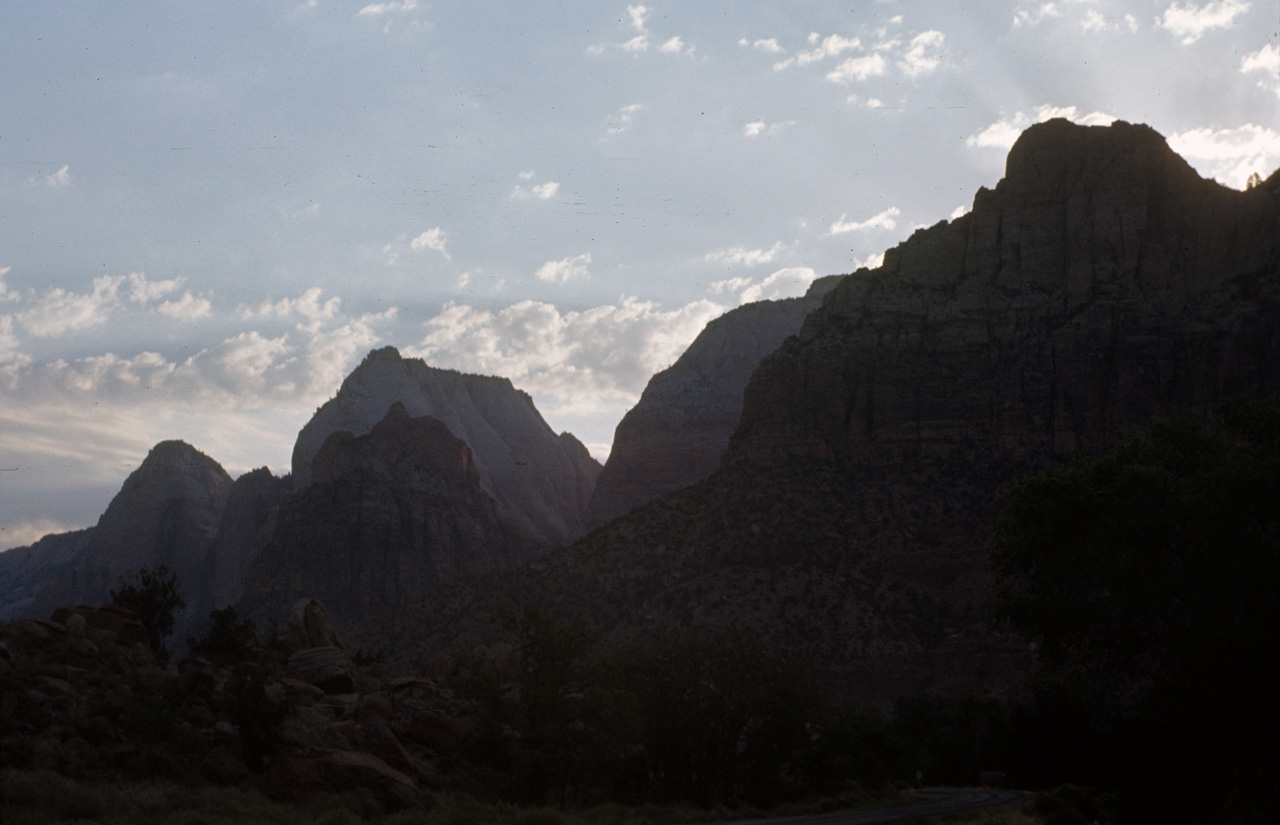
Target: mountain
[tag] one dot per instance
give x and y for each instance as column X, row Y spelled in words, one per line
column 676, row 433
column 25, row 571
column 541, row 481
column 1101, row 282
column 167, row 512
column 388, row 518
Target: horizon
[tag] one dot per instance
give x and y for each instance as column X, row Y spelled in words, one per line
column 211, row 217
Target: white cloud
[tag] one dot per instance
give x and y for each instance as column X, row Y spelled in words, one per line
column 730, row 286
column 1230, row 155
column 1095, row 21
column 6, row 294
column 1022, row 17
column 673, row 45
column 58, row 311
column 187, row 308
column 759, row 127
column 740, row 256
column 870, row 262
column 639, row 43
column 60, row 178
column 621, row 120
column 959, row 211
column 574, row 362
column 307, row 305
column 1190, row 22
column 858, row 68
column 564, row 269
column 142, row 291
column 832, row 46
column 542, row 191
column 1004, row 132
column 10, row 354
column 764, row 44
column 884, row 220
column 922, row 55
column 785, row 283
column 379, row 9
column 29, row 532
column 638, row 14
column 433, row 238
column 1267, row 61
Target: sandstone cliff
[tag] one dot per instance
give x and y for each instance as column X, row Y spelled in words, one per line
column 25, row 571
column 679, row 429
column 540, row 481
column 248, row 522
column 1100, row 282
column 388, row 518
column 167, row 512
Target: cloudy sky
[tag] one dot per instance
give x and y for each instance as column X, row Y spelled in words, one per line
column 209, row 212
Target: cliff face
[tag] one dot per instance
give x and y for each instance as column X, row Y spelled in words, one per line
column 388, row 518
column 25, row 571
column 1100, row 283
column 540, row 481
column 167, row 512
column 679, row 429
column 248, row 523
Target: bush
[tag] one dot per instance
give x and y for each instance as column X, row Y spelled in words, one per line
column 152, row 595
column 230, row 639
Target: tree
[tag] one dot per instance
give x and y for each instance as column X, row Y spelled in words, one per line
column 152, row 595
column 230, row 639
column 1148, row 575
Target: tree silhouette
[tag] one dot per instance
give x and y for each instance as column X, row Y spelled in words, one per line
column 152, row 595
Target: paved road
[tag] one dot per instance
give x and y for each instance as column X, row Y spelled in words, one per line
column 931, row 802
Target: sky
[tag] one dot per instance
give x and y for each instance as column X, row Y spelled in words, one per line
column 210, row 212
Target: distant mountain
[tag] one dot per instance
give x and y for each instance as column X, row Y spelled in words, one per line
column 541, row 481
column 167, row 512
column 679, row 429
column 1101, row 282
column 25, row 571
column 388, row 518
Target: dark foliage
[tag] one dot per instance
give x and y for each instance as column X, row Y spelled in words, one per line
column 1149, row 575
column 255, row 714
column 152, row 595
column 230, row 639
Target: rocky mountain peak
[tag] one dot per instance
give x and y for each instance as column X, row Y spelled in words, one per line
column 541, row 481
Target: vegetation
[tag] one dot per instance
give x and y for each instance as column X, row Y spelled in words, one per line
column 1148, row 574
column 230, row 639
column 152, row 595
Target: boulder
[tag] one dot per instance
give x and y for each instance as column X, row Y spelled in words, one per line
column 309, row 626
column 328, row 668
column 351, row 770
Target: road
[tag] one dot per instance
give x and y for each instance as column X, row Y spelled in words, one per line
column 930, row 802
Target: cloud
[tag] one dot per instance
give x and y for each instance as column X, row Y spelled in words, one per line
column 187, row 308
column 1004, row 132
column 672, row 46
column 29, row 532
column 884, row 220
column 760, row 128
column 433, row 238
column 307, row 305
column 764, row 44
column 858, row 68
column 58, row 311
column 1230, row 155
column 380, row 9
column 1190, row 22
column 542, row 191
column 874, row 261
column 142, row 291
column 638, row 14
column 1044, row 11
column 620, row 120
column 785, row 283
column 1094, row 21
column 565, row 268
column 573, row 362
column 6, row 294
column 739, row 256
column 10, row 354
column 60, row 178
column 1267, row 61
column 922, row 54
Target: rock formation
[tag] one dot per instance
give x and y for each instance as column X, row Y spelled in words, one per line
column 541, row 481
column 25, row 571
column 388, row 518
column 1101, row 282
column 166, row 513
column 248, row 523
column 679, row 429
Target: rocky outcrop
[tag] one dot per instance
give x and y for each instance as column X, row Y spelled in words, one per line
column 388, row 518
column 540, row 481
column 25, row 571
column 1100, row 283
column 166, row 513
column 679, row 429
column 248, row 523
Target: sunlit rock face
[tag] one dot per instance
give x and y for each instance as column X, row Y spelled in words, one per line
column 166, row 513
column 387, row 519
column 541, row 481
column 679, row 429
